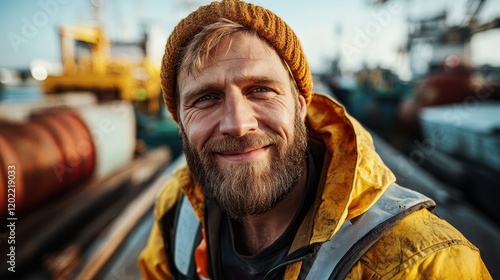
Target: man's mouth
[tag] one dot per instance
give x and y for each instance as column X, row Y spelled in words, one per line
column 244, row 154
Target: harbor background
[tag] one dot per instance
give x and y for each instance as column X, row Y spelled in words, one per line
column 422, row 76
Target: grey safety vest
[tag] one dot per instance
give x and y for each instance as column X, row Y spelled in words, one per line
column 335, row 257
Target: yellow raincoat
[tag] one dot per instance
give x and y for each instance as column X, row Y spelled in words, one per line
column 421, row 246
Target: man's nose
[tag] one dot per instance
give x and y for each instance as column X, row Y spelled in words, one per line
column 238, row 115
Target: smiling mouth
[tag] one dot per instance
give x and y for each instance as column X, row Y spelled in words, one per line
column 242, row 155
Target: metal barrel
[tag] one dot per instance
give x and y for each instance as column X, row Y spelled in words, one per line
column 52, row 152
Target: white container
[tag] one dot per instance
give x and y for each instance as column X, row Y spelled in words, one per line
column 112, row 126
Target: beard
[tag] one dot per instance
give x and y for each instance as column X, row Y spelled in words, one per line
column 249, row 188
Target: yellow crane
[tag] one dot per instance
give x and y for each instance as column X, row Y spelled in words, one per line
column 89, row 66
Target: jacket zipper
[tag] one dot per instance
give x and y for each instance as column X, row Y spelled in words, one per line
column 299, row 255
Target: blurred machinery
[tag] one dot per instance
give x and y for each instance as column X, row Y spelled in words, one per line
column 116, row 71
column 88, row 65
column 444, row 75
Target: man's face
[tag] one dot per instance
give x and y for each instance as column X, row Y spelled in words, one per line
column 242, row 126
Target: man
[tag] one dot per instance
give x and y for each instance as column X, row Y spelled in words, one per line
column 280, row 183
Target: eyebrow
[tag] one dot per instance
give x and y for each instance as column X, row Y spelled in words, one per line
column 256, row 79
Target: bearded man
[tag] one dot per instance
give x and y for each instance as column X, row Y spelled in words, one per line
column 280, row 183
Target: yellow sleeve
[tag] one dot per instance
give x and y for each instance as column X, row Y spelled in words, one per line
column 454, row 262
column 421, row 246
column 152, row 261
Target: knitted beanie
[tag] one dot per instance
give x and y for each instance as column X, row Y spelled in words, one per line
column 267, row 25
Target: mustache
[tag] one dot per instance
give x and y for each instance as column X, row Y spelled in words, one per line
column 230, row 143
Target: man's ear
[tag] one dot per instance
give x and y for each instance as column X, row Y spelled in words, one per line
column 303, row 106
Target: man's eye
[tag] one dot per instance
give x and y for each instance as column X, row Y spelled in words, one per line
column 204, row 101
column 204, row 98
column 261, row 89
column 262, row 93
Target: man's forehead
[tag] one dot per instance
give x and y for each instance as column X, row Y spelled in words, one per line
column 242, row 46
column 251, row 43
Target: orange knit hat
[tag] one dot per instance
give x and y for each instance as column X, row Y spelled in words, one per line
column 268, row 25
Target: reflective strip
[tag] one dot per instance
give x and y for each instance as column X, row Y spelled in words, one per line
column 185, row 236
column 394, row 201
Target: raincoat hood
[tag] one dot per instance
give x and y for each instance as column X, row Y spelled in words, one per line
column 355, row 175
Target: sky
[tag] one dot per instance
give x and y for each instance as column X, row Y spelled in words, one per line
column 355, row 30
